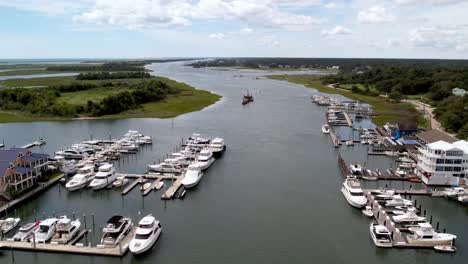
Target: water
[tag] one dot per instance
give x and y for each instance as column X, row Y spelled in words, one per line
column 273, row 198
column 30, row 76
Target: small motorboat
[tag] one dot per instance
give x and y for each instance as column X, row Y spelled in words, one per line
column 398, row 201
column 66, row 229
column 145, row 186
column 380, row 235
column 148, row 231
column 120, row 181
column 326, row 129
column 445, row 248
column 46, row 230
column 355, row 169
column 8, row 224
column 117, row 227
column 159, row 185
column 350, row 142
column 409, row 217
column 368, row 211
column 25, row 232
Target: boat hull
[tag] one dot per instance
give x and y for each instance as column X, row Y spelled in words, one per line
column 142, row 249
column 219, row 154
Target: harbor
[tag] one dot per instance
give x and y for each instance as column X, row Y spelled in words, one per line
column 240, row 203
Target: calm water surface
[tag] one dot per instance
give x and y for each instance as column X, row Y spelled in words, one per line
column 273, row 198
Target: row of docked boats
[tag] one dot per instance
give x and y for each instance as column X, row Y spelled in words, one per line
column 197, row 155
column 62, row 230
column 87, row 177
column 403, row 214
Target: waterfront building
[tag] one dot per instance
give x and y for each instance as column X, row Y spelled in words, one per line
column 443, row 163
column 435, row 135
column 19, row 169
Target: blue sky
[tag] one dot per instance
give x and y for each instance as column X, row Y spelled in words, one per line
column 184, row 28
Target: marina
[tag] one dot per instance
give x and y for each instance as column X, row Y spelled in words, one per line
column 243, row 189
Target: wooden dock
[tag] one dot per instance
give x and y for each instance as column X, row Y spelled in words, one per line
column 169, row 193
column 335, row 140
column 348, row 119
column 145, row 192
column 78, row 237
column 131, row 186
column 80, row 249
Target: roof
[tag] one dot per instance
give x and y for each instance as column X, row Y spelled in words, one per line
column 435, row 135
column 462, row 144
column 3, row 166
column 8, row 155
column 408, row 142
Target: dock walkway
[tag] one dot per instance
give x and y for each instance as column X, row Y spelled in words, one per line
column 348, row 119
column 169, row 193
column 118, row 251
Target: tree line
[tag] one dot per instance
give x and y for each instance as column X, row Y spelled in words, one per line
column 109, row 66
column 111, row 76
column 44, row 101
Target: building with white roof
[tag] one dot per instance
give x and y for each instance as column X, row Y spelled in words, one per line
column 443, row 163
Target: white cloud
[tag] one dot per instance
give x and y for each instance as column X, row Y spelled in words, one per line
column 453, row 38
column 432, row 2
column 338, row 30
column 217, row 36
column 375, row 14
column 246, row 31
column 267, row 41
column 331, row 5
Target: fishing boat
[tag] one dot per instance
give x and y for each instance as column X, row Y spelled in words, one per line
column 8, row 224
column 353, row 193
column 380, row 235
column 247, row 99
column 326, row 129
column 46, row 230
column 217, row 147
column 120, row 181
column 66, row 230
column 115, row 230
column 25, row 232
column 148, row 231
column 192, row 176
column 429, row 237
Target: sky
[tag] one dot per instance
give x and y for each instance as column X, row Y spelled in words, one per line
column 233, row 28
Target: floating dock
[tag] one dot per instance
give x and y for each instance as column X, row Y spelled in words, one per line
column 40, row 142
column 169, row 193
column 348, row 119
column 80, row 249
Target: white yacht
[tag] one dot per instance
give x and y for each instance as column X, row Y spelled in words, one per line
column 326, row 129
column 8, row 224
column 165, row 167
column 105, row 176
column 116, row 229
column 72, row 154
column 380, row 235
column 148, row 231
column 409, row 217
column 398, row 201
column 120, row 181
column 192, row 176
column 454, row 192
column 205, row 159
column 25, row 232
column 46, row 230
column 353, row 193
column 217, row 147
column 81, row 178
column 426, row 236
column 66, row 229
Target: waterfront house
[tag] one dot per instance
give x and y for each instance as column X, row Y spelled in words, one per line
column 20, row 168
column 435, row 135
column 443, row 163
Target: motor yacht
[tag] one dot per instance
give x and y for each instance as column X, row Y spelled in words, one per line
column 454, row 192
column 205, row 159
column 380, row 235
column 66, row 229
column 192, row 176
column 25, row 232
column 165, row 168
column 46, row 230
column 326, row 129
column 217, row 147
column 8, row 224
column 427, row 236
column 385, row 195
column 398, row 201
column 72, row 154
column 105, row 176
column 409, row 217
column 115, row 230
column 148, row 231
column 81, row 178
column 353, row 193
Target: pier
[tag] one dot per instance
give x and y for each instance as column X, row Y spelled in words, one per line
column 336, row 141
column 348, row 119
column 40, row 142
column 169, row 193
column 80, row 249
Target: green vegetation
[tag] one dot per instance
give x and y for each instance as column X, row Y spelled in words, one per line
column 111, row 76
column 66, row 98
column 453, row 115
column 110, row 66
column 25, row 72
column 385, row 110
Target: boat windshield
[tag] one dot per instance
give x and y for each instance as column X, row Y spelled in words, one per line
column 146, row 225
column 143, row 237
column 357, row 193
column 84, row 171
column 44, row 228
column 102, row 177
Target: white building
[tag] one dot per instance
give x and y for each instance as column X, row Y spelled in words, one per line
column 442, row 163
